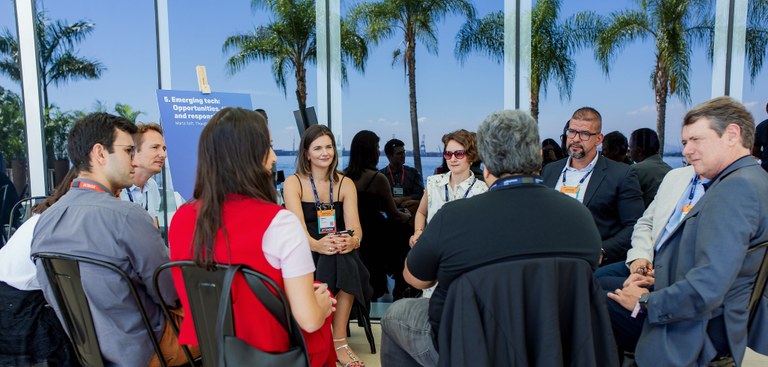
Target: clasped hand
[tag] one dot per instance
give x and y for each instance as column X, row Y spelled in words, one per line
column 336, row 244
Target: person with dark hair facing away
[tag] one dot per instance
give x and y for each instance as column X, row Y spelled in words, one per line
column 609, row 189
column 30, row 333
column 233, row 219
column 760, row 148
column 615, row 147
column 327, row 200
column 378, row 214
column 90, row 221
column 503, row 227
column 650, row 167
column 550, row 152
column 406, row 182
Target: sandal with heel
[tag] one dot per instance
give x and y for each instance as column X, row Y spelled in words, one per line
column 354, row 361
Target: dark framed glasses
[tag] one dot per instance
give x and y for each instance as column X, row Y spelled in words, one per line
column 133, row 149
column 459, row 154
column 583, row 134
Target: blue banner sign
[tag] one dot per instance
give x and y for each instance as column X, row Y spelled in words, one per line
column 183, row 114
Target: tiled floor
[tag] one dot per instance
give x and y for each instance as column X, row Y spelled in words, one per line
column 360, row 346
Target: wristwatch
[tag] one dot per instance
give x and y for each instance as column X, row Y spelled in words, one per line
column 643, row 302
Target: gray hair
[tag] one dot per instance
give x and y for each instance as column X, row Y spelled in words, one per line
column 508, row 142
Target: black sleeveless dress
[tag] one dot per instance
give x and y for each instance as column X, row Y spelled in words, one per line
column 344, row 272
column 374, row 250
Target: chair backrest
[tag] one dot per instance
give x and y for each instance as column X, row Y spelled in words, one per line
column 760, row 281
column 204, row 287
column 63, row 273
column 22, row 211
column 5, row 231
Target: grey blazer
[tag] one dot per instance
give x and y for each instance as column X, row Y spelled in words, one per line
column 703, row 271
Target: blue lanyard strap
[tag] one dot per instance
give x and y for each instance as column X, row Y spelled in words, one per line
column 130, row 197
column 694, row 182
column 582, row 179
column 314, row 191
column 515, row 180
column 466, row 193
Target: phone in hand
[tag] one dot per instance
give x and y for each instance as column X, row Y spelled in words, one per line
column 349, row 232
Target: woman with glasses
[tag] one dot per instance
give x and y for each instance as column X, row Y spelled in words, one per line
column 233, row 219
column 327, row 200
column 458, row 183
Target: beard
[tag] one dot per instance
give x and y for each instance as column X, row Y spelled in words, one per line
column 576, row 154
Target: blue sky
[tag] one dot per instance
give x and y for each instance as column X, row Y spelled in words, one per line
column 450, row 96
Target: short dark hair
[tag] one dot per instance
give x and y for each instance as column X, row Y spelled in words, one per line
column 96, row 128
column 646, row 140
column 389, row 147
column 588, row 114
column 615, row 143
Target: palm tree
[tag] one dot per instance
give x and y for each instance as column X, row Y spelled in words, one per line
column 289, row 42
column 124, row 110
column 757, row 37
column 57, row 59
column 417, row 20
column 675, row 26
column 552, row 45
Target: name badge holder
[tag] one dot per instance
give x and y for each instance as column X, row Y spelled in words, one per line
column 573, row 191
column 326, row 214
column 466, row 193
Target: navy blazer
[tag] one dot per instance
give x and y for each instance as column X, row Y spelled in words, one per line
column 613, row 197
column 703, row 270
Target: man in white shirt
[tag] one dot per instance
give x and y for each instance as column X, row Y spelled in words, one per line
column 149, row 160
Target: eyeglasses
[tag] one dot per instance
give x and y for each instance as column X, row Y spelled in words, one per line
column 459, row 154
column 583, row 134
column 133, row 149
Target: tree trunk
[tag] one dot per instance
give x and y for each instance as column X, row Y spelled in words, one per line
column 535, row 102
column 301, row 92
column 410, row 55
column 660, row 88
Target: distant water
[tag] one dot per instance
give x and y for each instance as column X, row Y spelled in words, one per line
column 287, row 164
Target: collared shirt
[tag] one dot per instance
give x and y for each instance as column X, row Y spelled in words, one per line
column 148, row 198
column 436, row 191
column 574, row 176
column 685, row 200
column 412, row 184
column 91, row 223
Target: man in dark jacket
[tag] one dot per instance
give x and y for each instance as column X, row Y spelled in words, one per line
column 512, row 220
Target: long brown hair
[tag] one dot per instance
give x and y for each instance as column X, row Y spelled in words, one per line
column 230, row 160
column 303, row 166
column 58, row 192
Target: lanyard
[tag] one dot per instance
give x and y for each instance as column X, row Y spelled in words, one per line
column 82, row 184
column 694, row 182
column 466, row 193
column 314, row 191
column 402, row 175
column 130, row 197
column 582, row 179
column 513, row 181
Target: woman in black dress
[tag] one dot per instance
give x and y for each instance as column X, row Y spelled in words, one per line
column 327, row 200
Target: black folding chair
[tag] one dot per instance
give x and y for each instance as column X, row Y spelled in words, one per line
column 63, row 273
column 203, row 294
column 5, row 231
column 22, row 211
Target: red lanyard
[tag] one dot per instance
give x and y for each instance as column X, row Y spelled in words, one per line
column 77, row 183
column 402, row 175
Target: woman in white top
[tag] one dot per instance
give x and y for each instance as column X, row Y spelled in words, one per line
column 458, row 183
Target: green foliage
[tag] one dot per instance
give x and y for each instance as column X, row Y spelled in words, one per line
column 58, row 61
column 57, row 126
column 12, row 132
column 289, row 43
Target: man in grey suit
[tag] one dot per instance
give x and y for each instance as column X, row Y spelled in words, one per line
column 694, row 304
column 609, row 189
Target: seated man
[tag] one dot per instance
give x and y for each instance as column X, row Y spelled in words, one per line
column 650, row 167
column 703, row 274
column 406, row 182
column 89, row 221
column 149, row 161
column 500, row 224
